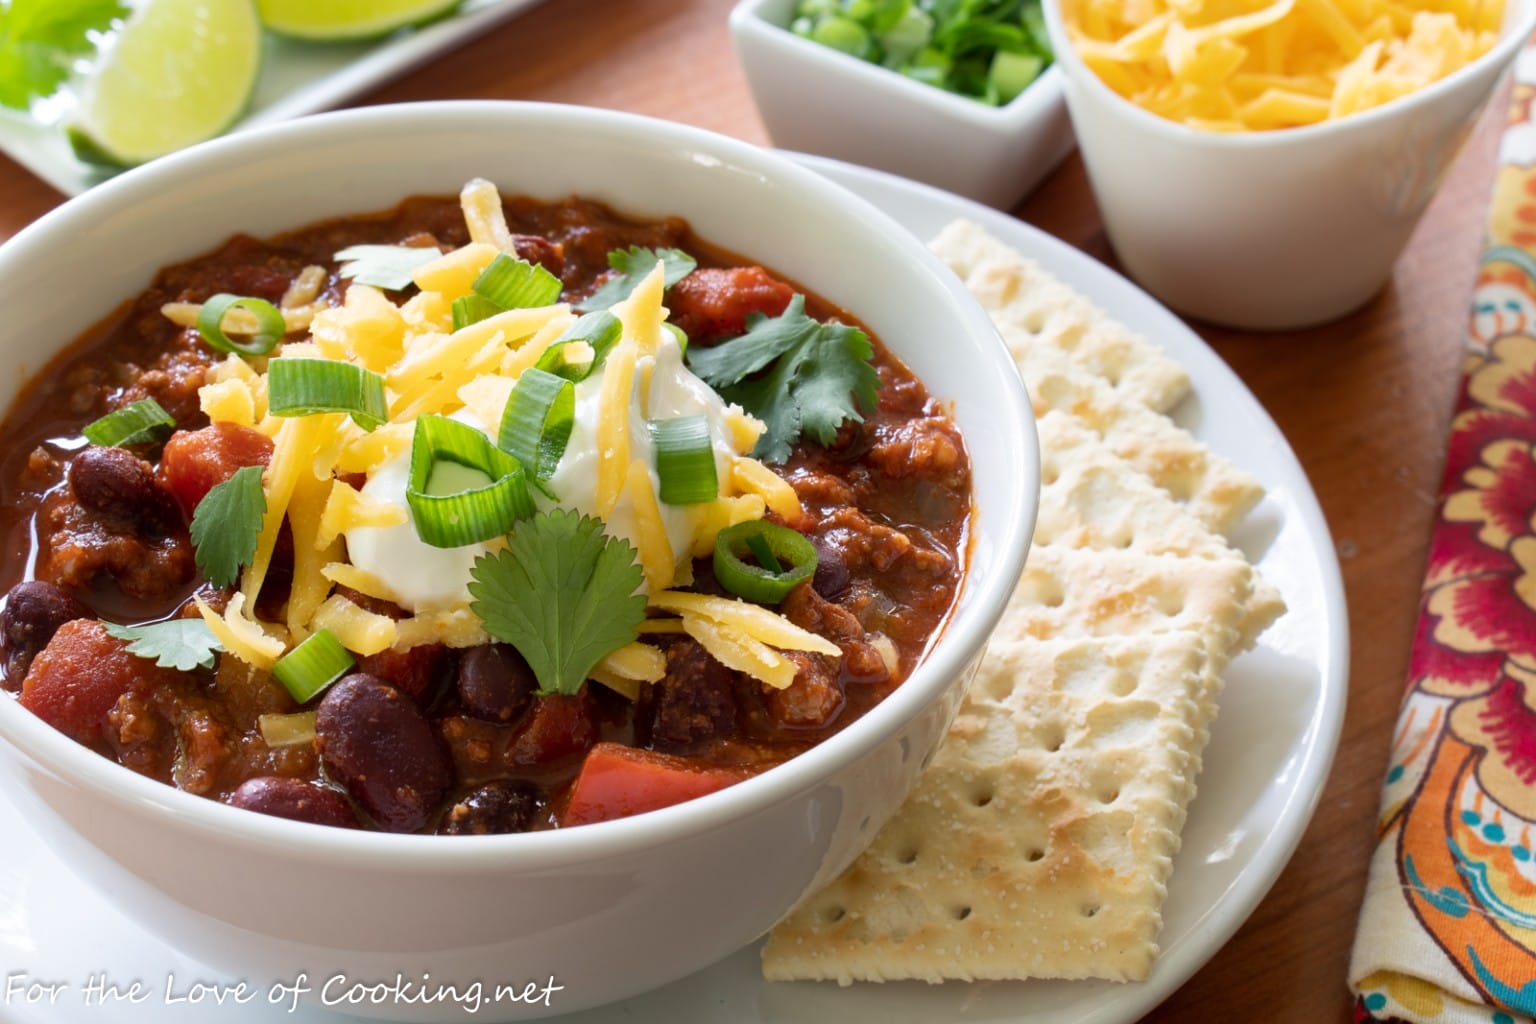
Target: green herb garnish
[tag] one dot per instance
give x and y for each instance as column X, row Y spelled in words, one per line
column 137, row 423
column 182, row 644
column 820, row 376
column 989, row 50
column 631, row 266
column 226, row 525
column 40, row 40
column 562, row 593
column 385, row 266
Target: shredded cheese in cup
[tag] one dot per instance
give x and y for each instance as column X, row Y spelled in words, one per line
column 1255, row 65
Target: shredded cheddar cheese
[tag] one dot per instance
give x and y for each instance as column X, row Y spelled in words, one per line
column 312, row 481
column 1265, row 64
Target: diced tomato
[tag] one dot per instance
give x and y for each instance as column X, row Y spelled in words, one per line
column 713, row 302
column 195, row 461
column 80, row 675
column 617, row 781
column 556, row 727
column 410, row 671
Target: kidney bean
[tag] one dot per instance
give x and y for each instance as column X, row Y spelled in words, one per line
column 831, row 579
column 296, row 799
column 116, row 483
column 374, row 740
column 495, row 683
column 495, row 808
column 34, row 610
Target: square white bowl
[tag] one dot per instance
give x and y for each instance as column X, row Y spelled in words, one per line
column 820, row 100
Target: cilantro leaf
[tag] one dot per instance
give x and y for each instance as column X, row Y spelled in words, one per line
column 226, row 525
column 385, row 266
column 632, row 266
column 182, row 644
column 818, row 376
column 562, row 593
column 40, row 39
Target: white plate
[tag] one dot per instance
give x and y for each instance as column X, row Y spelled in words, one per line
column 296, row 78
column 1264, row 769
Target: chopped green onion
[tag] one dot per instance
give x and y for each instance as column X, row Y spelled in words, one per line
column 599, row 331
column 303, row 387
column 269, row 320
column 842, row 34
column 1012, row 72
column 471, row 309
column 536, row 424
column 685, row 460
column 763, row 553
column 517, row 284
column 488, row 492
column 137, row 423
column 293, row 730
column 678, row 333
column 763, row 583
column 312, row 666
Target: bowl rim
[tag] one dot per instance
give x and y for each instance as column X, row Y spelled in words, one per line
column 1514, row 34
column 749, row 25
column 964, row 635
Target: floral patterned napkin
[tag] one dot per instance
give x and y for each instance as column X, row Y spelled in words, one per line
column 1448, row 930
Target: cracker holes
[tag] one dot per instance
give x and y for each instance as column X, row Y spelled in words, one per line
column 960, row 913
column 1109, row 794
column 1124, row 684
column 1034, row 321
column 907, row 855
column 982, row 795
column 1049, row 474
column 833, row 914
column 1034, row 854
column 1091, row 910
column 1053, row 738
column 1171, row 604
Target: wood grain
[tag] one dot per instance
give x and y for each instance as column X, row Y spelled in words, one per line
column 1365, row 403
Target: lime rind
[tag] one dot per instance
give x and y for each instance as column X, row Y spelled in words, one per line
column 178, row 72
column 327, row 21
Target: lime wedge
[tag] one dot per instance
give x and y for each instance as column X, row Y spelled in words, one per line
column 177, row 72
column 330, row 20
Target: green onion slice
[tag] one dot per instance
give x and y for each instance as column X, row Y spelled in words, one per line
column 759, row 582
column 142, row 421
column 312, row 666
column 685, row 460
column 303, row 387
column 760, row 549
column 471, row 309
column 536, row 424
column 269, row 319
column 517, row 284
column 598, row 332
column 678, row 333
column 462, row 489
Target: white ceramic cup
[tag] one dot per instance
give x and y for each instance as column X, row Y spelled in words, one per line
column 1279, row 229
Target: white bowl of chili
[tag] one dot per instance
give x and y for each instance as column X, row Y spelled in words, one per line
column 545, row 921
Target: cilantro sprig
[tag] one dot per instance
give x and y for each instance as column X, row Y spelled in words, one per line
column 41, row 39
column 385, row 266
column 561, row 592
column 227, row 524
column 182, row 644
column 631, row 267
column 817, row 376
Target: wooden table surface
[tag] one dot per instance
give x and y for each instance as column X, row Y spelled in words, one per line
column 1365, row 403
